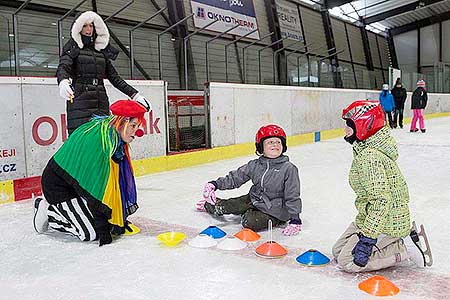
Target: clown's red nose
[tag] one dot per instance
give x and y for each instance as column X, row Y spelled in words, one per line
column 139, row 133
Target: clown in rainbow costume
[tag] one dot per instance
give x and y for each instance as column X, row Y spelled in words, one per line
column 88, row 184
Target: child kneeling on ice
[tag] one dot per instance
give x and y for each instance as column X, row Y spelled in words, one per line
column 275, row 194
column 88, row 184
column 381, row 235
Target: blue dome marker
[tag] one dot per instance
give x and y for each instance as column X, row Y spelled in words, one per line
column 312, row 257
column 214, row 232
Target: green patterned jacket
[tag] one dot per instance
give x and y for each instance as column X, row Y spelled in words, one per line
column 381, row 190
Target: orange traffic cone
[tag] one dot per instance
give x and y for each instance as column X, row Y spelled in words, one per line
column 270, row 249
column 247, row 235
column 379, row 286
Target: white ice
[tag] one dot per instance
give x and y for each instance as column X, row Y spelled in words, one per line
column 56, row 266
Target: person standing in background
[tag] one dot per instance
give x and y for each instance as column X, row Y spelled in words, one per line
column 419, row 100
column 399, row 94
column 86, row 59
column 387, row 103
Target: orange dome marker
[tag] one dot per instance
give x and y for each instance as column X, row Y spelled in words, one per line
column 270, row 249
column 247, row 235
column 379, row 286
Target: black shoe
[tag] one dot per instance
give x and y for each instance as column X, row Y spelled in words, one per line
column 423, row 130
column 215, row 210
column 401, row 126
column 413, row 130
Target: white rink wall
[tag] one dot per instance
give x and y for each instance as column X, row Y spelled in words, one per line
column 238, row 110
column 33, row 123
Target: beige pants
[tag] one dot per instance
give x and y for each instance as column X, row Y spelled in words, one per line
column 387, row 252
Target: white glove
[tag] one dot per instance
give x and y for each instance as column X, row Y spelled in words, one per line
column 65, row 90
column 141, row 100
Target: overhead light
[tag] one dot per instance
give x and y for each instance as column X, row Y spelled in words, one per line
column 53, row 23
column 172, row 39
column 11, row 34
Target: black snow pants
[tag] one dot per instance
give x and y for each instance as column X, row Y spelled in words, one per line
column 252, row 218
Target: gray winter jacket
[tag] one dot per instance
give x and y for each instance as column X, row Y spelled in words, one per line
column 276, row 186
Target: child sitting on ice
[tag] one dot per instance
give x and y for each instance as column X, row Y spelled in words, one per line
column 275, row 194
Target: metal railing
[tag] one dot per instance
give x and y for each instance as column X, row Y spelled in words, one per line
column 274, row 57
column 131, row 37
column 185, row 40
column 210, row 41
column 16, row 37
column 60, row 27
column 244, row 69
column 159, row 42
column 259, row 56
column 233, row 43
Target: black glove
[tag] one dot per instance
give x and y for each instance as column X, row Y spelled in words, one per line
column 362, row 250
column 117, row 230
column 104, row 239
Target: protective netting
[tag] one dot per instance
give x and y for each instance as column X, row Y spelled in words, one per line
column 187, row 119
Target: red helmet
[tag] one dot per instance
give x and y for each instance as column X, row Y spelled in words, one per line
column 367, row 115
column 267, row 131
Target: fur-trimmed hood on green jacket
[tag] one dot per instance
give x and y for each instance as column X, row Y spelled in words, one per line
column 381, row 190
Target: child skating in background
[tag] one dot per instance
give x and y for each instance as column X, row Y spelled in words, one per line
column 419, row 100
column 387, row 103
column 381, row 235
column 275, row 193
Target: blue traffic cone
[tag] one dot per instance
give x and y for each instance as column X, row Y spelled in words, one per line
column 214, row 232
column 312, row 257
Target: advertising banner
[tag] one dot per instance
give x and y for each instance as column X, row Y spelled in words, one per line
column 229, row 13
column 289, row 19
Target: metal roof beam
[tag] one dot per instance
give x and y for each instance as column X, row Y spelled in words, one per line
column 421, row 23
column 334, row 3
column 399, row 10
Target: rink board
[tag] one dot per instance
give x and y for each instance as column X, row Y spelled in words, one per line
column 238, row 110
column 33, row 123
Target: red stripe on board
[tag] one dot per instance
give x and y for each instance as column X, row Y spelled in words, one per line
column 25, row 187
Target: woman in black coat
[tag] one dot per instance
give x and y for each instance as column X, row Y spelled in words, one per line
column 399, row 93
column 86, row 59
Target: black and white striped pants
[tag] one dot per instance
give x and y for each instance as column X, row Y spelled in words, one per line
column 73, row 217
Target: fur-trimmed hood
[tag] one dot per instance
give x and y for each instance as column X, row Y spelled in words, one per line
column 102, row 39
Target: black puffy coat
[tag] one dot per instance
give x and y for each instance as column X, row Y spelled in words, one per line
column 419, row 98
column 399, row 94
column 87, row 66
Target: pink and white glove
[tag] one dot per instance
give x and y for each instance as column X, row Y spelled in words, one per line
column 208, row 196
column 200, row 205
column 208, row 193
column 292, row 229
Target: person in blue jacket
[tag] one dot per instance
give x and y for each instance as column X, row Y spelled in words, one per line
column 387, row 103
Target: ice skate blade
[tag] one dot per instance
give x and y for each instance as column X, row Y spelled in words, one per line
column 428, row 258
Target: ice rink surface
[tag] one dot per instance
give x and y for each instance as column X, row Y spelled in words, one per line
column 56, row 266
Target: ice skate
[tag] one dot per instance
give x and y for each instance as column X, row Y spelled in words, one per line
column 418, row 253
column 40, row 220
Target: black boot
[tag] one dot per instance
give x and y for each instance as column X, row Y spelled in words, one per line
column 256, row 220
column 423, row 130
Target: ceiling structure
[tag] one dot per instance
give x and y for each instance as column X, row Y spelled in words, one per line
column 380, row 15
